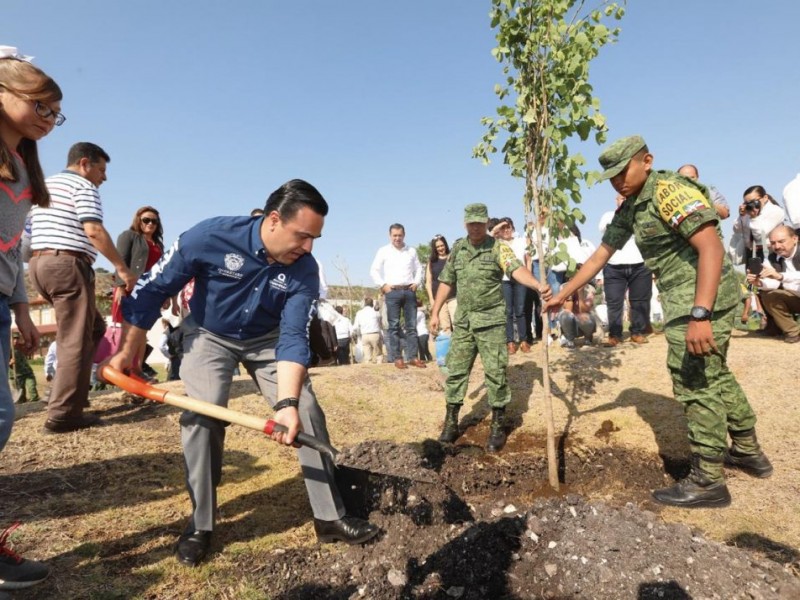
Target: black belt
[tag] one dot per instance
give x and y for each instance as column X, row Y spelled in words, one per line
column 57, row 251
column 402, row 287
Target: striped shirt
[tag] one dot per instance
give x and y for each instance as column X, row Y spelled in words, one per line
column 74, row 200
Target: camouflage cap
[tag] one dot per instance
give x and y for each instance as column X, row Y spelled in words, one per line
column 476, row 213
column 617, row 156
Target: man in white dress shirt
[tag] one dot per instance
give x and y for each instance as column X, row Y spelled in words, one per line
column 397, row 271
column 367, row 325
column 779, row 281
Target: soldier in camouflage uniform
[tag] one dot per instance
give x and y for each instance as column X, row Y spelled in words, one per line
column 476, row 265
column 21, row 373
column 677, row 230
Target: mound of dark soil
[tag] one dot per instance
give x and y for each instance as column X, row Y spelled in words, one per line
column 457, row 523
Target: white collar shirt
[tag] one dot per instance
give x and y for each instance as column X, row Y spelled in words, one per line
column 368, row 320
column 396, row 267
column 343, row 328
column 791, row 276
column 629, row 255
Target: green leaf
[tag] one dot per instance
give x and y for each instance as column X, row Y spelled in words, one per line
column 545, row 48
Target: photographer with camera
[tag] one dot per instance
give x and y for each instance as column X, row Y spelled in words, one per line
column 779, row 281
column 759, row 214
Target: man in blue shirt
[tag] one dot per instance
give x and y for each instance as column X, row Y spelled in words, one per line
column 255, row 287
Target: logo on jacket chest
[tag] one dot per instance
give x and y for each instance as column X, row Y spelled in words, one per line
column 279, row 282
column 233, row 263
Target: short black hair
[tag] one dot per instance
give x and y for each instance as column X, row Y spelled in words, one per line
column 396, row 226
column 86, row 150
column 294, row 195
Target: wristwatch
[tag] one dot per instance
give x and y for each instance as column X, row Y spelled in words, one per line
column 700, row 313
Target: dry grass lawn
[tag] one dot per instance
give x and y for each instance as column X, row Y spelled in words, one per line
column 105, row 505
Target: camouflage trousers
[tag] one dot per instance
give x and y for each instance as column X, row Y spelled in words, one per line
column 27, row 384
column 465, row 345
column 712, row 399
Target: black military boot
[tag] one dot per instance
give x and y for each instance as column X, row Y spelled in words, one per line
column 704, row 486
column 497, row 436
column 450, row 431
column 745, row 453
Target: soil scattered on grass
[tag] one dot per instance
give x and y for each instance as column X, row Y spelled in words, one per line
column 104, row 506
column 490, row 527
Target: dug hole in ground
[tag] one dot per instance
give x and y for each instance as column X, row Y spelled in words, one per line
column 105, row 506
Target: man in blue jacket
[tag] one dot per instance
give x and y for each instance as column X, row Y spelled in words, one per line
column 255, row 288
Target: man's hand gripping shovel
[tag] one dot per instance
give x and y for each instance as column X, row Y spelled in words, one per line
column 266, row 426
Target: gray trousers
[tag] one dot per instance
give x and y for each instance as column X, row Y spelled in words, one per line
column 208, row 364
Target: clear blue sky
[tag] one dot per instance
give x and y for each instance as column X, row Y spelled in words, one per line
column 206, row 107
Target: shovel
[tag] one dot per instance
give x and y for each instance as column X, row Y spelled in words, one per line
column 267, row 426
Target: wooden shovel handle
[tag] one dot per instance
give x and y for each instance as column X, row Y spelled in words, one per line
column 266, row 426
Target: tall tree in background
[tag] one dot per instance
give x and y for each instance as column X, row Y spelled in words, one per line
column 545, row 47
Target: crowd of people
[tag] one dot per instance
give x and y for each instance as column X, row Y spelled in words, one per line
column 242, row 290
column 662, row 261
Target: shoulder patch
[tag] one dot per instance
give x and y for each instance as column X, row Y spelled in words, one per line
column 507, row 256
column 676, row 201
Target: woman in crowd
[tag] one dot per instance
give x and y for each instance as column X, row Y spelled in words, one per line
column 759, row 214
column 440, row 252
column 141, row 246
column 513, row 292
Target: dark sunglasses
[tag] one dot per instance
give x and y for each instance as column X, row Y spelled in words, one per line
column 149, row 221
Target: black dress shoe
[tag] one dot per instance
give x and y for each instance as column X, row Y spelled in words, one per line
column 192, row 547
column 82, row 422
column 350, row 530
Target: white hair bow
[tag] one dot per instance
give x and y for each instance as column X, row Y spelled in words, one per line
column 12, row 52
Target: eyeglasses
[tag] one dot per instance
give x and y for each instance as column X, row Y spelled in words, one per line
column 46, row 112
column 149, row 221
column 41, row 109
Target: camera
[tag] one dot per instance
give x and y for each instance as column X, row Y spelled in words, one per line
column 752, row 205
column 754, row 266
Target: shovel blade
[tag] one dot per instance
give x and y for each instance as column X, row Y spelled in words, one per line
column 360, row 472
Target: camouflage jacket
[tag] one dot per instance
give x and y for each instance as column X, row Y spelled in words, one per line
column 478, row 272
column 21, row 366
column 666, row 213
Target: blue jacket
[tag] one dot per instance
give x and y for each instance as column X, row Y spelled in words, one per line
column 237, row 293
